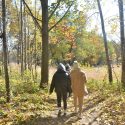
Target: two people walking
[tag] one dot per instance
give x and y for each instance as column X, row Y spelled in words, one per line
column 65, row 82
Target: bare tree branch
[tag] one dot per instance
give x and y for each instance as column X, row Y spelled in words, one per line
column 61, row 17
column 38, row 19
column 92, row 15
column 34, row 18
column 54, row 10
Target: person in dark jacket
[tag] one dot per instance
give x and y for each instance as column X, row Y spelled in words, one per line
column 62, row 85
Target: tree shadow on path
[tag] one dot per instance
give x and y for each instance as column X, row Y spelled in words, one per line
column 50, row 120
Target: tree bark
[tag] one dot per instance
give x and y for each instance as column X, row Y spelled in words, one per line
column 45, row 53
column 5, row 52
column 21, row 37
column 105, row 42
column 28, row 46
column 122, row 37
column 35, row 47
column 25, row 45
column 18, row 44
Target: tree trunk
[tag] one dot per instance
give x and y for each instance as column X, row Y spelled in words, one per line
column 18, row 53
column 45, row 53
column 44, row 32
column 28, row 43
column 25, row 46
column 121, row 14
column 18, row 45
column 35, row 47
column 5, row 52
column 105, row 43
column 21, row 37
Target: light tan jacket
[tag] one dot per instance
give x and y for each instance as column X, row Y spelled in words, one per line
column 78, row 80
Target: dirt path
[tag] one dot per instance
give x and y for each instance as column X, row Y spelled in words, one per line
column 93, row 108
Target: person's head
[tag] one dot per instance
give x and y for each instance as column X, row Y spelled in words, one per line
column 68, row 68
column 61, row 67
column 75, row 65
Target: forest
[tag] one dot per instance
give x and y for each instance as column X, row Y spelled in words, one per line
column 37, row 35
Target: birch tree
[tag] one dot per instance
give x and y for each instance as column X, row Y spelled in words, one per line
column 105, row 42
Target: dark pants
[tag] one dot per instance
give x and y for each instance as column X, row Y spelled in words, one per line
column 61, row 96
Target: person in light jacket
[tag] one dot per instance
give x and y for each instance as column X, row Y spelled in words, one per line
column 78, row 81
column 62, row 84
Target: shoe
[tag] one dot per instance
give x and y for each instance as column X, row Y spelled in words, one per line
column 80, row 115
column 59, row 113
column 64, row 113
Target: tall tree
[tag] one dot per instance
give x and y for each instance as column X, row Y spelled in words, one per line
column 35, row 41
column 25, row 45
column 45, row 53
column 105, row 42
column 122, row 37
column 16, row 30
column 5, row 52
column 21, row 36
column 44, row 33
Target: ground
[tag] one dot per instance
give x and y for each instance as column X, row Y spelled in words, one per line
column 97, row 110
column 104, row 105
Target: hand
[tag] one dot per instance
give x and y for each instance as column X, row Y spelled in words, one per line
column 85, row 91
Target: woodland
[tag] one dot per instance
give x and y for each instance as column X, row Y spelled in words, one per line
column 37, row 35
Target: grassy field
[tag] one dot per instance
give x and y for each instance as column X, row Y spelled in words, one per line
column 96, row 73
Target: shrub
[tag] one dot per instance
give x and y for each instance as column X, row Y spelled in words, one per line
column 105, row 88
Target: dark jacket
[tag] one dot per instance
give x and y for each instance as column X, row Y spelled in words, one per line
column 61, row 82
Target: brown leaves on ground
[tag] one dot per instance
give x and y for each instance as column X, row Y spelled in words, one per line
column 40, row 109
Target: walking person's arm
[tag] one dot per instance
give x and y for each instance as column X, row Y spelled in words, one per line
column 85, row 87
column 69, row 85
column 52, row 86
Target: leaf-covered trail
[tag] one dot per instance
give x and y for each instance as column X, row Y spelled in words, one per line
column 93, row 113
column 100, row 108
